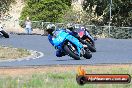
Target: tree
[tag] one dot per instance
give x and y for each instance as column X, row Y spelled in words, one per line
column 121, row 11
column 67, row 2
column 4, row 6
column 46, row 10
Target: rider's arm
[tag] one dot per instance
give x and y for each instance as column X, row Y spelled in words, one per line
column 50, row 39
column 67, row 30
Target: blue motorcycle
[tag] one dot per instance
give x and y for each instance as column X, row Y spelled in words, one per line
column 85, row 35
column 70, row 45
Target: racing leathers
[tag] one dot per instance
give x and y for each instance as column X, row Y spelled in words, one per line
column 59, row 53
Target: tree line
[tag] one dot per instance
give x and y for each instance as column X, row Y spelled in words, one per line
column 121, row 12
column 96, row 11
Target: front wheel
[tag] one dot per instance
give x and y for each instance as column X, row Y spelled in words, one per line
column 91, row 46
column 70, row 52
column 4, row 34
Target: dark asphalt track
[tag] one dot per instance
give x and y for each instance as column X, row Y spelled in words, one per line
column 109, row 51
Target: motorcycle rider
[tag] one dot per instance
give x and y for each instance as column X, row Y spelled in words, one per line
column 51, row 30
column 71, row 29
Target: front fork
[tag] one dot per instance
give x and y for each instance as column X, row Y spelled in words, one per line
column 76, row 42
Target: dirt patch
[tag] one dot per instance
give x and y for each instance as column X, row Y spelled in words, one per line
column 58, row 69
column 12, row 53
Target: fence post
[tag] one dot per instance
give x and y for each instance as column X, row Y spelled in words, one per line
column 43, row 26
column 109, row 28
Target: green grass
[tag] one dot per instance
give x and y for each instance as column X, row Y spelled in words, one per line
column 59, row 80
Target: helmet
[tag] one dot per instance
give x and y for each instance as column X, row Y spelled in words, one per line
column 50, row 28
column 77, row 26
column 70, row 26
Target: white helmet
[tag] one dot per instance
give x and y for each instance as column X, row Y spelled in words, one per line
column 50, row 28
column 70, row 26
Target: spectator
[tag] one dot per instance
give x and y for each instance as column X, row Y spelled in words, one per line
column 28, row 25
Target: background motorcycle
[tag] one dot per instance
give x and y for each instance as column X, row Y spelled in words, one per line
column 85, row 35
column 2, row 32
column 70, row 45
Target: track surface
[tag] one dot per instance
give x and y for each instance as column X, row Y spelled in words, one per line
column 109, row 51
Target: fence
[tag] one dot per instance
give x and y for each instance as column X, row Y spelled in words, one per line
column 111, row 32
column 97, row 31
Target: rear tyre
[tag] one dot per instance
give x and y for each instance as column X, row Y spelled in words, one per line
column 4, row 34
column 71, row 53
column 87, row 54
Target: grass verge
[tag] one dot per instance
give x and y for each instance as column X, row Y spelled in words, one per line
column 58, row 77
column 12, row 53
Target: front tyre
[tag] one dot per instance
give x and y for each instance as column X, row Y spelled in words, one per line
column 91, row 47
column 68, row 50
column 4, row 34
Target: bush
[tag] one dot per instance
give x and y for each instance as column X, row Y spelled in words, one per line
column 45, row 10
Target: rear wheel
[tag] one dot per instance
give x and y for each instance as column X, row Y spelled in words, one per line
column 71, row 52
column 4, row 34
column 87, row 54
